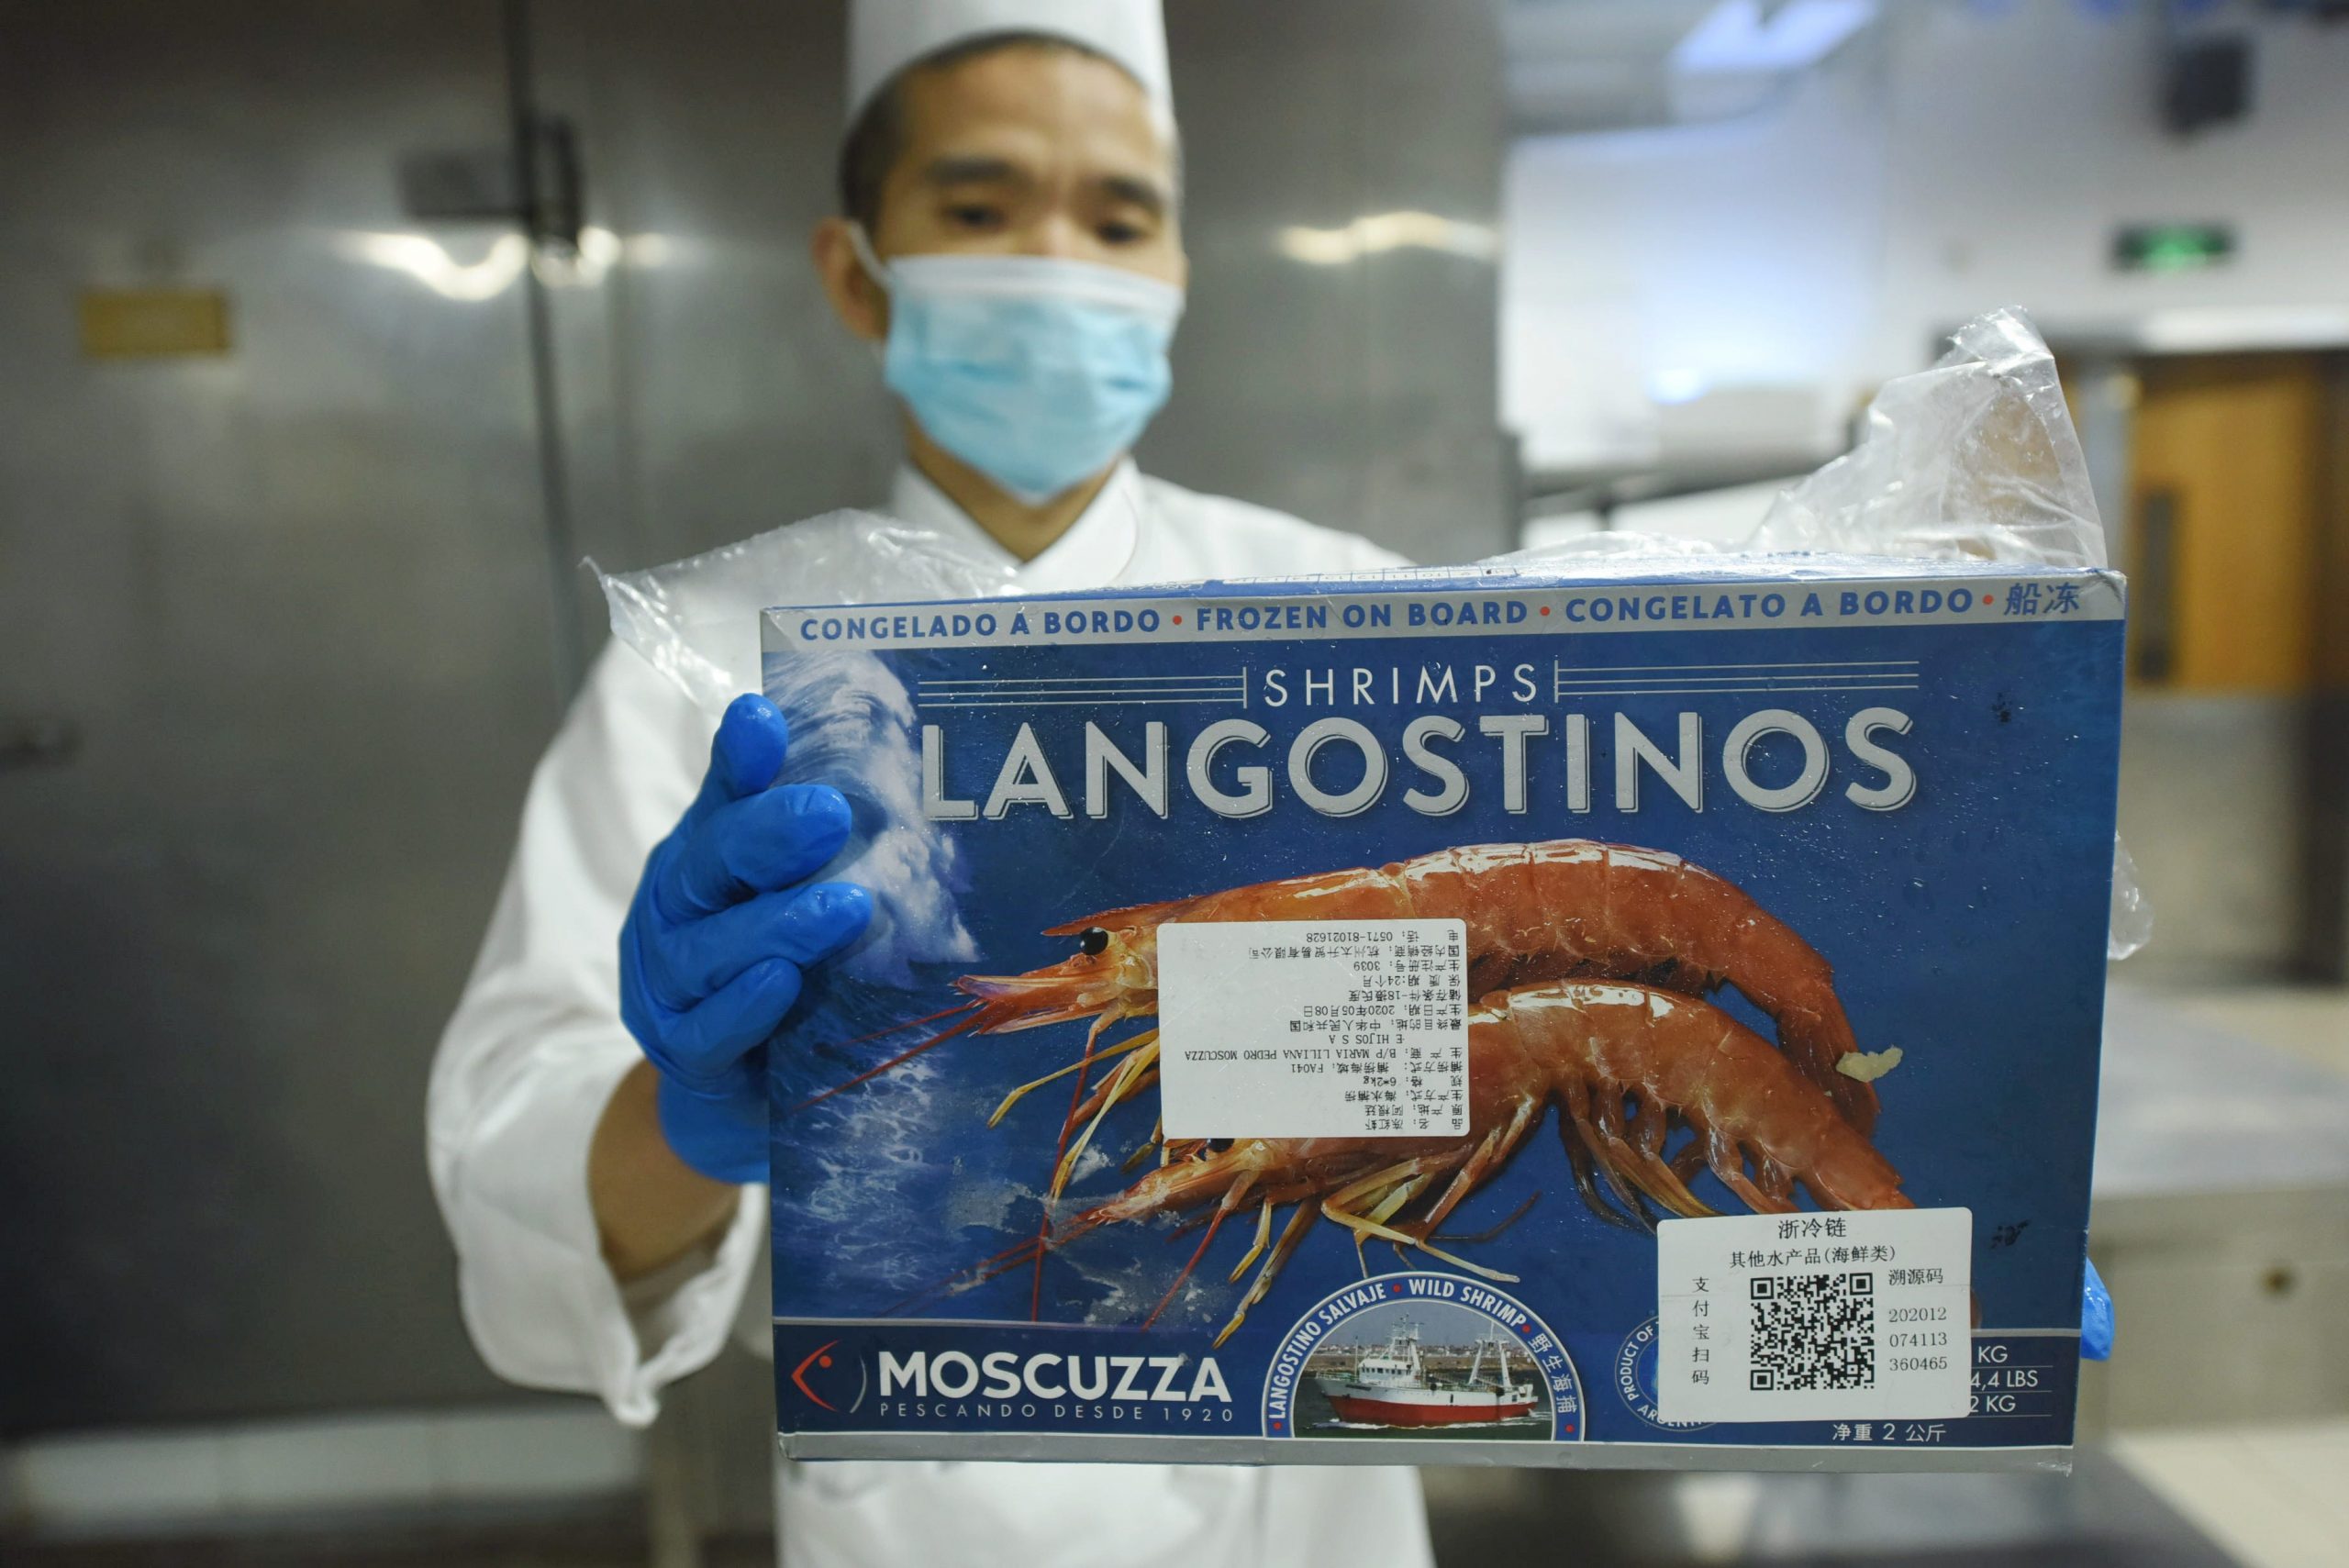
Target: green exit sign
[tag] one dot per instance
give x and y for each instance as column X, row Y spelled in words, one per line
column 2172, row 247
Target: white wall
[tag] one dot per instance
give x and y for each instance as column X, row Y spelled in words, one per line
column 2015, row 153
column 1960, row 157
column 1663, row 261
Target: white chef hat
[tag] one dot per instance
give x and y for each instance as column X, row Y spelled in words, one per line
column 887, row 36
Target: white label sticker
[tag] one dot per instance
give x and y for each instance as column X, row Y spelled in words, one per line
column 1313, row 1029
column 1865, row 1313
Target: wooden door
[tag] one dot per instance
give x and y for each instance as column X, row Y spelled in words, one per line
column 2227, row 487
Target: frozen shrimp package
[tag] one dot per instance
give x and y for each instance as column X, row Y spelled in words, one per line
column 1615, row 1008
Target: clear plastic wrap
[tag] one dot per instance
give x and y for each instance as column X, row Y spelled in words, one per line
column 1976, row 458
column 696, row 620
column 2132, row 912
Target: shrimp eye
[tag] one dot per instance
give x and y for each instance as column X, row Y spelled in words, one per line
column 1094, row 942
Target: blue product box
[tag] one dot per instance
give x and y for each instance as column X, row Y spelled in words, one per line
column 1532, row 1014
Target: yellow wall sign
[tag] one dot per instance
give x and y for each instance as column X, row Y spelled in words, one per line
column 137, row 323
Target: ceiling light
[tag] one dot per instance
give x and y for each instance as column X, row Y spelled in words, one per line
column 1743, row 37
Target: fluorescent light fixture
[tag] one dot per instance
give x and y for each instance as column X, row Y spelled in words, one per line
column 1678, row 385
column 599, row 249
column 648, row 250
column 2207, row 329
column 1388, row 232
column 1743, row 36
column 430, row 263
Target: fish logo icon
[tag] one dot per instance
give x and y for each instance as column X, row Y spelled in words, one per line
column 821, row 1357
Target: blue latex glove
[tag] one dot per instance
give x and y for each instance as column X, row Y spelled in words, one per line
column 722, row 924
column 2095, row 1317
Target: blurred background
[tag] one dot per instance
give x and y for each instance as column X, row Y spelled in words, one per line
column 334, row 334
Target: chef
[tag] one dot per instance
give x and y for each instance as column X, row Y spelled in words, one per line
column 1010, row 238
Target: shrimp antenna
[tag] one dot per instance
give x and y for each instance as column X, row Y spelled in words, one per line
column 1003, row 1262
column 974, row 1015
column 1475, row 1236
column 1231, row 1201
column 907, row 1023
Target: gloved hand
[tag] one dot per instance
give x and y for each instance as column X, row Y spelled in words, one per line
column 2095, row 1317
column 722, row 924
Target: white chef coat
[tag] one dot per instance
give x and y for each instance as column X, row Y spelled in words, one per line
column 537, row 1047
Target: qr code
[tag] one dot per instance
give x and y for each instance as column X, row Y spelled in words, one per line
column 1811, row 1332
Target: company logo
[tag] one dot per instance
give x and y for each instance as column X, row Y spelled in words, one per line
column 819, row 1362
column 938, row 1378
column 1048, row 1374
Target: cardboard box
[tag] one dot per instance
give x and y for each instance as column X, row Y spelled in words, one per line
column 1646, row 1018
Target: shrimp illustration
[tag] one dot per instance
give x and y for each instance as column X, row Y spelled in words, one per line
column 1628, row 1064
column 1564, row 909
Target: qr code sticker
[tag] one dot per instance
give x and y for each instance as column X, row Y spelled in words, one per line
column 1811, row 1332
column 1756, row 1321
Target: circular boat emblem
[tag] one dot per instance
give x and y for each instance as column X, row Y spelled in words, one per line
column 1422, row 1355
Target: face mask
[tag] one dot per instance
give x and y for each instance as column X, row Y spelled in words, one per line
column 1035, row 371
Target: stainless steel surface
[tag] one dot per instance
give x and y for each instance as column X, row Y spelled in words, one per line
column 1618, row 1457
column 2229, row 1304
column 2212, row 806
column 546, row 180
column 2184, row 1108
column 2221, row 1224
column 2098, row 1516
column 709, row 1465
column 1359, row 389
column 294, row 600
column 48, row 742
column 468, row 185
column 708, row 393
column 705, row 391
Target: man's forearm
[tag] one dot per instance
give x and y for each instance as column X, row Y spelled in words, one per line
column 651, row 1207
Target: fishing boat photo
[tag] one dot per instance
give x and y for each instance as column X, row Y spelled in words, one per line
column 1391, row 1386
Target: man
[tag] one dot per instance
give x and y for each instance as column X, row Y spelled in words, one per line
column 1010, row 233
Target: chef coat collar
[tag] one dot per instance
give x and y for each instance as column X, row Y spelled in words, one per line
column 1092, row 553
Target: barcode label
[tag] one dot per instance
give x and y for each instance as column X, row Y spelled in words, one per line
column 1313, row 1029
column 1815, row 1316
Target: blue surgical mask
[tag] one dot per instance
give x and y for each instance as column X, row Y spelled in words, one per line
column 1036, row 371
